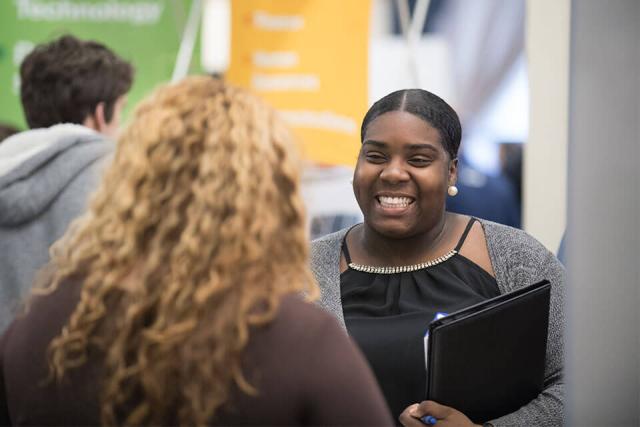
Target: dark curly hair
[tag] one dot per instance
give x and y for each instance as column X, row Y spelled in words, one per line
column 425, row 105
column 63, row 81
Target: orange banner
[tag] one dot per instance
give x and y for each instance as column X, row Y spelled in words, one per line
column 309, row 59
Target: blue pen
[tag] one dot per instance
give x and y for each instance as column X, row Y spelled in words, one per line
column 429, row 420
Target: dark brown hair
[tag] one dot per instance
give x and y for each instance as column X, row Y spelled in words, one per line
column 63, row 81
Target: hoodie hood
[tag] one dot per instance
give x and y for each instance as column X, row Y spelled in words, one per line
column 37, row 165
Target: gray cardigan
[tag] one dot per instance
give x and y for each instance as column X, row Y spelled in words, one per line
column 518, row 260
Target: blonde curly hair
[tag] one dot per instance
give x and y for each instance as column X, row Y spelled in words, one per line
column 195, row 234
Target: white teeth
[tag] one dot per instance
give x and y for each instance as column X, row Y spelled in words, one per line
column 394, row 202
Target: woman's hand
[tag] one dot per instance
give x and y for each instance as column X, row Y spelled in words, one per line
column 445, row 416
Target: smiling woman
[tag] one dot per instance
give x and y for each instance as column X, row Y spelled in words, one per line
column 410, row 259
column 397, row 147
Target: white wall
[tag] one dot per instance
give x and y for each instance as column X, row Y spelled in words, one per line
column 545, row 157
column 389, row 66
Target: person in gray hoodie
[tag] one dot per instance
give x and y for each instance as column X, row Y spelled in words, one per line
column 72, row 94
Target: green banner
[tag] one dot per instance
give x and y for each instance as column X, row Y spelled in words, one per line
column 145, row 32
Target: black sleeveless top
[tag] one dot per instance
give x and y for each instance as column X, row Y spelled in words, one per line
column 387, row 311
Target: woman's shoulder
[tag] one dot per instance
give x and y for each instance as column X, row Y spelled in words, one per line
column 325, row 254
column 297, row 325
column 309, row 358
column 518, row 258
column 45, row 312
column 509, row 241
column 294, row 308
column 329, row 240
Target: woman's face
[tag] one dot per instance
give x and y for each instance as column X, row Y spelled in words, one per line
column 402, row 175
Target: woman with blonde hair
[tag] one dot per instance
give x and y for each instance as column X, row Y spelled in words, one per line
column 175, row 299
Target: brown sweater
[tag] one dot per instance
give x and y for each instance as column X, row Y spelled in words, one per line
column 311, row 374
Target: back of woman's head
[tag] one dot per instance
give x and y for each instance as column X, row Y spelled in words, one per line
column 425, row 105
column 197, row 231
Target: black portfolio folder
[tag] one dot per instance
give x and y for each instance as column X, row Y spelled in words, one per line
column 488, row 360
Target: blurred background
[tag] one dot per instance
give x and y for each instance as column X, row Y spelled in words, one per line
column 548, row 92
column 322, row 63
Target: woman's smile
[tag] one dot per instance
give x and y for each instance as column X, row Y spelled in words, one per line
column 394, row 205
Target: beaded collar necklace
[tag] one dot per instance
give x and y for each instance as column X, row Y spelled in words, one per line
column 402, row 268
column 407, row 268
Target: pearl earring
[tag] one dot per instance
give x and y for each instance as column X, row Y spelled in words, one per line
column 452, row 190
